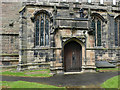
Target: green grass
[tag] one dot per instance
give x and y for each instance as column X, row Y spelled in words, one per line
column 112, row 82
column 24, row 73
column 114, row 69
column 24, row 84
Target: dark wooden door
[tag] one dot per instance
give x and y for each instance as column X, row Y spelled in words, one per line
column 72, row 57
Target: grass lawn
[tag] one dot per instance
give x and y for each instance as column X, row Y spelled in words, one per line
column 24, row 84
column 111, row 69
column 28, row 73
column 112, row 82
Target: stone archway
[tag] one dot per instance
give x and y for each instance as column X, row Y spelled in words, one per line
column 72, row 57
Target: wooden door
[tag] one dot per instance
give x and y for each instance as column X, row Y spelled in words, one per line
column 72, row 57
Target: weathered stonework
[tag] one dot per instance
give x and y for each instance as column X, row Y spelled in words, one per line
column 66, row 25
column 10, row 32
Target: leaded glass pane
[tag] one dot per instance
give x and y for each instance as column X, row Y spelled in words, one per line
column 37, row 32
column 116, row 34
column 98, row 33
column 93, row 26
column 46, row 32
column 42, row 33
column 42, row 30
column 119, row 32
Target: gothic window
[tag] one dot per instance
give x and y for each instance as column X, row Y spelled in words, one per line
column 96, row 25
column 42, row 30
column 117, row 31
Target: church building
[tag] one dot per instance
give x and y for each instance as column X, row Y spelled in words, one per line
column 70, row 36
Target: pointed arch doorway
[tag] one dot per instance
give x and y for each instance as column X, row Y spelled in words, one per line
column 72, row 57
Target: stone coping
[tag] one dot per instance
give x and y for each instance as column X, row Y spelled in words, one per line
column 66, row 5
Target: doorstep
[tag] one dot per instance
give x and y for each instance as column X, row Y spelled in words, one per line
column 66, row 73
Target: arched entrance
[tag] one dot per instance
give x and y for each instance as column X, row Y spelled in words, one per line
column 72, row 57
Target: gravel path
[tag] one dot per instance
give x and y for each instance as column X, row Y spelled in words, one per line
column 67, row 80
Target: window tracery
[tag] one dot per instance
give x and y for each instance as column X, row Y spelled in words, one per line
column 96, row 24
column 42, row 30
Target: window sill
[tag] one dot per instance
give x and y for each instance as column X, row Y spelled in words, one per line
column 42, row 47
column 98, row 47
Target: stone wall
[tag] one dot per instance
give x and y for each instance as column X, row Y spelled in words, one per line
column 10, row 31
column 60, row 31
column 108, row 51
column 31, row 53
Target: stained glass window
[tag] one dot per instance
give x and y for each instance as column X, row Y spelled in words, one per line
column 47, row 32
column 42, row 33
column 37, row 32
column 116, row 34
column 117, row 31
column 96, row 25
column 93, row 24
column 94, row 28
column 98, row 33
column 42, row 30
